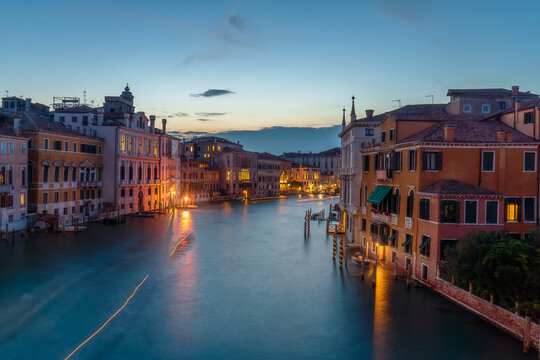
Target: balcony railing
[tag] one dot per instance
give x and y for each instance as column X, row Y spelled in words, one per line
column 6, row 188
column 380, row 217
column 384, row 174
column 88, row 183
column 393, row 219
column 408, row 223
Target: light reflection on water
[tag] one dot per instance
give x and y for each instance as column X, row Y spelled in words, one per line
column 249, row 286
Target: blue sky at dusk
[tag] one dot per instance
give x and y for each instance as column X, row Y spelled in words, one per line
column 282, row 63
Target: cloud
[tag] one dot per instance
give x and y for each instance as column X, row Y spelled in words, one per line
column 213, row 92
column 205, row 120
column 207, row 114
column 408, row 13
column 180, row 114
column 225, row 39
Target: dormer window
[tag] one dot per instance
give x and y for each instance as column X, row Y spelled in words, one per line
column 467, row 108
column 485, row 108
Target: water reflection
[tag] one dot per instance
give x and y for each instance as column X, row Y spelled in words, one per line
column 381, row 312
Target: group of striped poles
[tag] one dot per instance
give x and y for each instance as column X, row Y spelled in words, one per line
column 340, row 250
column 307, row 223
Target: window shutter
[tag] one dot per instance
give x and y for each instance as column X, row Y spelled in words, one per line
column 519, row 210
column 457, row 213
column 441, row 219
column 424, row 160
column 438, row 160
column 426, row 210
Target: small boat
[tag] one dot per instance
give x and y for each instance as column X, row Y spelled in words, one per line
column 144, row 214
column 357, row 259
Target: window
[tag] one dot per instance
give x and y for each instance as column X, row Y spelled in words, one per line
column 85, row 120
column 445, row 245
column 407, row 263
column 492, row 212
column 393, row 238
column 513, row 209
column 62, row 118
column 395, row 202
column 74, row 174
column 73, row 119
column 11, row 148
column 74, row 147
column 383, row 136
column 57, row 145
column 408, row 243
column 395, row 159
column 56, row 174
column 3, row 147
column 391, row 135
column 432, row 160
column 488, row 161
column 66, row 174
column 424, row 271
column 410, row 204
column 424, row 209
column 366, row 162
column 45, row 174
column 363, row 224
column 485, row 108
column 467, row 108
column 412, row 160
column 369, row 132
column 528, row 117
column 22, row 199
column 366, row 196
column 394, row 257
column 23, row 175
column 502, row 105
column 530, row 209
column 45, row 198
column 449, row 211
column 23, row 148
column 471, row 211
column 529, row 161
column 425, row 245
column 66, row 146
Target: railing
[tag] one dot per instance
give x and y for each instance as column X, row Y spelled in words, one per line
column 379, row 239
column 384, row 174
column 364, row 210
column 380, row 217
column 88, row 183
column 6, row 188
column 393, row 219
column 408, row 223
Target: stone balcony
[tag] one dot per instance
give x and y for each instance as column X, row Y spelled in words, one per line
column 380, row 217
column 6, row 188
column 408, row 223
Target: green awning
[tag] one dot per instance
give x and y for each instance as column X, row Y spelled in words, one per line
column 379, row 194
column 391, row 238
column 424, row 243
column 407, row 242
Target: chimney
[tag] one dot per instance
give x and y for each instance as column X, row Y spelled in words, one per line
column 500, row 136
column 164, row 122
column 152, row 123
column 369, row 113
column 28, row 104
column 449, row 133
column 16, row 126
column 515, row 91
column 100, row 117
column 508, row 137
column 127, row 120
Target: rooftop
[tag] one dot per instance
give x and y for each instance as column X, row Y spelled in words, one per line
column 466, row 131
column 487, row 93
column 455, row 187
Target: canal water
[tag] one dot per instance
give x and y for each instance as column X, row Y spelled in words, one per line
column 245, row 285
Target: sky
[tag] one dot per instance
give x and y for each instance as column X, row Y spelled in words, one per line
column 219, row 66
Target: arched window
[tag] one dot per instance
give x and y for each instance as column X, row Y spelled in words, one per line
column 66, row 174
column 140, row 145
column 74, row 174
column 56, row 174
column 131, row 144
column 2, row 175
column 397, row 201
column 123, row 142
column 410, row 204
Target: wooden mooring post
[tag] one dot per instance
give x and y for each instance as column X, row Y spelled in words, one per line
column 527, row 335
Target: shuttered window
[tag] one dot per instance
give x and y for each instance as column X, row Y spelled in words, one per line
column 366, row 162
column 449, row 211
column 492, row 212
column 412, row 160
column 471, row 212
column 512, row 207
column 530, row 206
column 410, row 205
column 488, row 161
column 424, row 209
column 529, row 161
column 432, row 160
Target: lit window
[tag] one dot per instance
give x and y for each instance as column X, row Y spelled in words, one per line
column 243, row 175
column 131, row 143
column 511, row 212
column 228, row 175
column 22, row 199
column 155, row 148
column 140, row 145
column 123, row 143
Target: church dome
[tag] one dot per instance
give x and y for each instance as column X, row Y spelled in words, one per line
column 126, row 94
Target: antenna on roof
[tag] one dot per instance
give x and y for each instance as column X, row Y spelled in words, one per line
column 431, row 96
column 398, row 101
column 92, row 102
column 84, row 97
column 7, row 93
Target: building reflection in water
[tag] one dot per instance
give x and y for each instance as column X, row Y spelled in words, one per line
column 381, row 315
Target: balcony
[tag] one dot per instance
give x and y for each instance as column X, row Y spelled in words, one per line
column 408, row 223
column 382, row 240
column 380, row 217
column 88, row 183
column 384, row 174
column 364, row 210
column 6, row 188
column 393, row 219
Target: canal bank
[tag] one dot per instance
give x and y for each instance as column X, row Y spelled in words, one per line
column 248, row 286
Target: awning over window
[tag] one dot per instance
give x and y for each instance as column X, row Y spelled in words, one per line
column 391, row 238
column 379, row 194
column 407, row 242
column 424, row 243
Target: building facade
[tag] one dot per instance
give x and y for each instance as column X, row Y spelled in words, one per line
column 268, row 175
column 238, row 173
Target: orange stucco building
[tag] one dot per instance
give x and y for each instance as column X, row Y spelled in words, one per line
column 430, row 180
